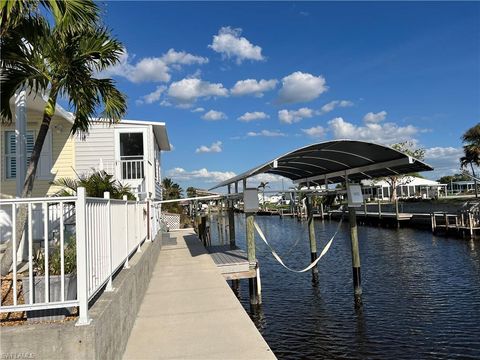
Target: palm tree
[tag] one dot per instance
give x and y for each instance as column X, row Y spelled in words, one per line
column 25, row 14
column 171, row 191
column 262, row 186
column 62, row 61
column 191, row 192
column 471, row 139
column 95, row 184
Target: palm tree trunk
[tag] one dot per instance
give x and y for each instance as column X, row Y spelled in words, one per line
column 474, row 179
column 21, row 222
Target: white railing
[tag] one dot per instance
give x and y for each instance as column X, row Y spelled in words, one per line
column 132, row 169
column 106, row 234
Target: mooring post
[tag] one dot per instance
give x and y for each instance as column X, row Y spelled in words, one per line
column 446, row 223
column 250, row 229
column 250, row 201
column 397, row 213
column 470, row 224
column 357, row 281
column 311, row 236
column 231, row 221
column 203, row 232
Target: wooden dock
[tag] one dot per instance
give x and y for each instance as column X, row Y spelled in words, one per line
column 232, row 262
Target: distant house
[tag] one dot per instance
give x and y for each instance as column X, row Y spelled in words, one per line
column 129, row 150
column 409, row 187
column 458, row 187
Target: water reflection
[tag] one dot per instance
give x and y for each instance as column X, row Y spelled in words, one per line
column 421, row 294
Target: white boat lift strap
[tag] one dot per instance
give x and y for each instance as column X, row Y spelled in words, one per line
column 279, row 259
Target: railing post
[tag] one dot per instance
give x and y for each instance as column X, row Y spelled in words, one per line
column 149, row 235
column 126, row 265
column 106, row 195
column 82, row 283
column 137, row 237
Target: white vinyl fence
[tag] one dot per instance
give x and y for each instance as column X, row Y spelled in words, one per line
column 103, row 233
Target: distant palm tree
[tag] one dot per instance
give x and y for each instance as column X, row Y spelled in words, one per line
column 191, row 192
column 171, row 191
column 471, row 149
column 262, row 186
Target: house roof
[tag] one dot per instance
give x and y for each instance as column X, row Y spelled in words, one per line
column 37, row 102
column 334, row 161
column 409, row 180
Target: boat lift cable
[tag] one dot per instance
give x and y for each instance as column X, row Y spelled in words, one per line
column 279, row 259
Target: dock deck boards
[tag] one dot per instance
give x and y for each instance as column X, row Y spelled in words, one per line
column 232, row 262
column 190, row 312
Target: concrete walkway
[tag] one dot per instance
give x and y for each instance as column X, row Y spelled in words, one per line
column 190, row 312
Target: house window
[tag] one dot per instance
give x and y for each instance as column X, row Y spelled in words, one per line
column 44, row 163
column 131, row 155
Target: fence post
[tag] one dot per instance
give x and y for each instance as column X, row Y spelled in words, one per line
column 106, row 195
column 82, row 283
column 149, row 235
column 137, row 218
column 126, row 265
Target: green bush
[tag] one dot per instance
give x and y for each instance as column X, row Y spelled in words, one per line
column 55, row 260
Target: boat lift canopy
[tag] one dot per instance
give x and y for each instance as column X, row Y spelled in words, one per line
column 333, row 162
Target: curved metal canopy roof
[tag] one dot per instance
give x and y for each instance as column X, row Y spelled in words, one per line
column 334, row 161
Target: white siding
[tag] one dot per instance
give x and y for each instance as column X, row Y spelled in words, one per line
column 98, row 145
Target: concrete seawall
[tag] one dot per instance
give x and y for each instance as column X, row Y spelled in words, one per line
column 113, row 316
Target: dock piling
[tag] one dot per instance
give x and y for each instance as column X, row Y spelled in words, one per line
column 357, row 282
column 231, row 221
column 252, row 282
column 311, row 235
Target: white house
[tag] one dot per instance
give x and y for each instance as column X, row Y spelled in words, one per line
column 408, row 187
column 130, row 150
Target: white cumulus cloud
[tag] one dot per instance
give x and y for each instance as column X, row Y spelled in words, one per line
column 214, row 115
column 292, row 116
column 231, row 44
column 375, row 117
column 315, row 132
column 186, row 91
column 252, row 86
column 445, row 160
column 252, row 116
column 267, row 133
column 152, row 69
column 198, row 109
column 200, row 174
column 153, row 96
column 334, row 104
column 216, row 147
column 301, row 87
column 387, row 133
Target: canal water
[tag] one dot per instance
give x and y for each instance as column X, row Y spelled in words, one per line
column 421, row 293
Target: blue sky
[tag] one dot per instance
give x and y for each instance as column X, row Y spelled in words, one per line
column 304, row 72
